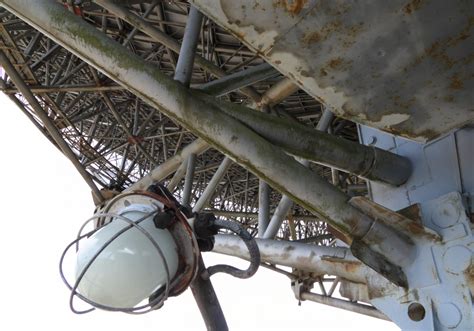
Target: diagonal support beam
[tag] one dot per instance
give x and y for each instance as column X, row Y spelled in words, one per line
column 48, row 123
column 207, row 118
column 166, row 40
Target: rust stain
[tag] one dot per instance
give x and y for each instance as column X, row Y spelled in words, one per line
column 311, row 37
column 456, row 83
column 469, row 274
column 412, row 212
column 412, row 6
column 406, row 104
column 351, row 267
column 438, row 49
column 335, row 63
column 294, row 7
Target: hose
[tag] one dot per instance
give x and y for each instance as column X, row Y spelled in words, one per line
column 252, row 246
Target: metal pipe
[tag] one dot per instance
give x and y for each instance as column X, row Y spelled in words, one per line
column 278, row 217
column 303, row 141
column 202, row 289
column 286, row 203
column 344, row 304
column 320, row 260
column 278, row 92
column 263, row 207
column 211, row 186
column 325, row 121
column 166, row 40
column 25, row 111
column 184, row 66
column 178, row 175
column 207, row 301
column 238, row 80
column 48, row 123
column 66, row 88
column 199, row 113
column 166, row 168
column 225, row 213
column 188, row 180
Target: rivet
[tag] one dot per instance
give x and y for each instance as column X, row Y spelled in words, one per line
column 456, row 259
column 448, row 314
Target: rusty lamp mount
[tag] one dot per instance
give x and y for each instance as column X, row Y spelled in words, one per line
column 191, row 232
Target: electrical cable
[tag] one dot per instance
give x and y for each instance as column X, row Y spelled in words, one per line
column 252, row 246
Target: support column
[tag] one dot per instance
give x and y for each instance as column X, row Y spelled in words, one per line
column 213, row 183
column 184, row 67
column 286, row 203
column 263, row 207
column 188, row 180
column 202, row 289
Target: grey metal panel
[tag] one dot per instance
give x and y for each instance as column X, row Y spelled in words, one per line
column 439, row 167
column 399, row 66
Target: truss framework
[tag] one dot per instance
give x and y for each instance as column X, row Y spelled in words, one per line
column 117, row 138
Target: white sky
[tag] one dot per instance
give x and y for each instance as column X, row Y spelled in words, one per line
column 44, row 201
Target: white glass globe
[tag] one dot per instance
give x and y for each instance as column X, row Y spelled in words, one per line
column 130, row 268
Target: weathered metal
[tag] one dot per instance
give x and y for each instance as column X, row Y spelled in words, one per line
column 263, row 207
column 437, row 198
column 47, row 123
column 201, row 287
column 439, row 167
column 213, row 183
column 166, row 40
column 285, row 203
column 178, row 176
column 208, row 302
column 184, row 66
column 281, row 212
column 277, row 93
column 238, row 80
column 165, row 169
column 398, row 66
column 200, row 113
column 188, row 179
column 343, row 304
column 439, row 277
column 235, row 214
column 319, row 260
column 303, row 141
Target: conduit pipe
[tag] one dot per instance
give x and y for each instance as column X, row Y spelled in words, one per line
column 303, row 141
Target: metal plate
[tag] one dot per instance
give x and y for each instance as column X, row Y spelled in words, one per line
column 405, row 67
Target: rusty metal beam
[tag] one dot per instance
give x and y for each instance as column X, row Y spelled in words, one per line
column 206, row 117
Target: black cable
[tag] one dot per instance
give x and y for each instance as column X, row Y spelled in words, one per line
column 251, row 245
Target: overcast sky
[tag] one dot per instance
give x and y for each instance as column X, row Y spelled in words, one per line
column 44, row 201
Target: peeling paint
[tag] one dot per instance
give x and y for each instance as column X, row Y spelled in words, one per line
column 389, row 64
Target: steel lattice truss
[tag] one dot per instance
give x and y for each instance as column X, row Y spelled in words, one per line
column 117, row 138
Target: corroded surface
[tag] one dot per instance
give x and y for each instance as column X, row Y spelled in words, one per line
column 401, row 66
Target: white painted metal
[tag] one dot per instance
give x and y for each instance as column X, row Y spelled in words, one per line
column 397, row 66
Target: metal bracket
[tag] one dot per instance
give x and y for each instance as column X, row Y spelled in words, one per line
column 439, row 296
